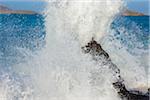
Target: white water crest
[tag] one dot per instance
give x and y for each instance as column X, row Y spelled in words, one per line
column 61, row 71
column 82, row 18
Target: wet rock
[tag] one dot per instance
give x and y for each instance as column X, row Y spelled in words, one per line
column 99, row 54
column 129, row 95
column 96, row 51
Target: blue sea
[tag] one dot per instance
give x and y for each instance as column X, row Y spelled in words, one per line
column 19, row 30
column 28, row 32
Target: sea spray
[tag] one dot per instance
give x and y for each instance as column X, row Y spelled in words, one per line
column 14, row 87
column 83, row 19
column 131, row 61
column 61, row 71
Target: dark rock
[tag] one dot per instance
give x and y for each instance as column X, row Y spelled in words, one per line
column 129, row 95
column 98, row 54
column 96, row 51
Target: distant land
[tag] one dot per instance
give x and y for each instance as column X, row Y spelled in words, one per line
column 7, row 10
column 127, row 12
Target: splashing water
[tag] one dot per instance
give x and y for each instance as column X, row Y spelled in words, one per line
column 83, row 19
column 61, row 71
column 129, row 53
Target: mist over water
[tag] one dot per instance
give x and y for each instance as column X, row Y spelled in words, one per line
column 83, row 19
column 60, row 70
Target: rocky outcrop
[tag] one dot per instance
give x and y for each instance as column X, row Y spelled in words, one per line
column 97, row 51
column 130, row 95
column 98, row 54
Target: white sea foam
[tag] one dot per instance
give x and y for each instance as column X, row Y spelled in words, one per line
column 83, row 19
column 13, row 87
column 61, row 71
column 134, row 73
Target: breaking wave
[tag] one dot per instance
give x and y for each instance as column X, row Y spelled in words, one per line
column 60, row 70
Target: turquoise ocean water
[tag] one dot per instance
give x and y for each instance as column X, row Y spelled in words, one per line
column 25, row 30
column 19, row 31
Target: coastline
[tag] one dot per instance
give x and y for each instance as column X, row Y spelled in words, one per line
column 17, row 12
column 33, row 13
column 7, row 10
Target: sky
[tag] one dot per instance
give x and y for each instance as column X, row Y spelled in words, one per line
column 139, row 5
column 38, row 5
